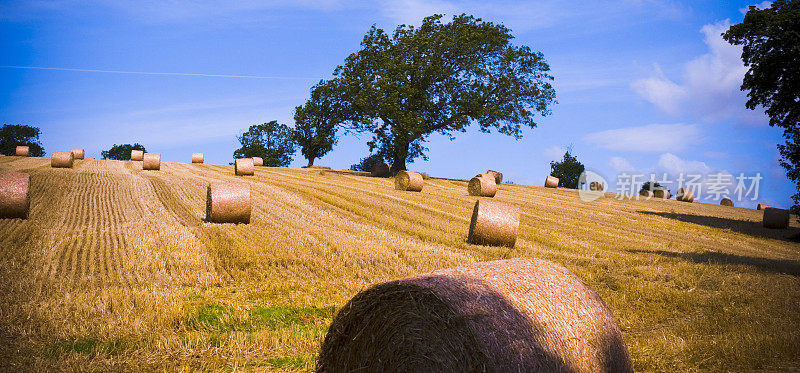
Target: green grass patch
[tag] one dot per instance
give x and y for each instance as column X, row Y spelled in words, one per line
column 88, row 346
column 223, row 319
column 290, row 362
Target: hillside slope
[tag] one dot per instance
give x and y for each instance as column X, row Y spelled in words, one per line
column 115, row 268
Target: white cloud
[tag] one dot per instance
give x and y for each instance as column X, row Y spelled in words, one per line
column 554, row 152
column 671, row 164
column 763, row 5
column 709, row 90
column 649, row 138
column 619, row 165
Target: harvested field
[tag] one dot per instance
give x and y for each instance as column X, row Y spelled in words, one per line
column 115, row 269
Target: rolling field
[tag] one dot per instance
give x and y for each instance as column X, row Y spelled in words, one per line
column 115, row 269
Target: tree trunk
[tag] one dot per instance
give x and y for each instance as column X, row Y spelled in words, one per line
column 310, row 162
column 400, row 155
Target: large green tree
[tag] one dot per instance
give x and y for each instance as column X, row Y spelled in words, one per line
column 272, row 141
column 13, row 135
column 121, row 152
column 439, row 78
column 770, row 40
column 317, row 121
column 568, row 170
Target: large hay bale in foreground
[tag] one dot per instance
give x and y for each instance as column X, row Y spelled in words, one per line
column 493, row 224
column 551, row 182
column 62, row 159
column 15, row 199
column 408, row 181
column 22, row 151
column 518, row 315
column 776, row 218
column 380, row 170
column 498, row 176
column 761, row 206
column 198, row 157
column 258, row 161
column 228, row 202
column 151, row 161
column 482, row 185
column 78, row 153
column 243, row 167
column 137, row 155
column 685, row 195
column 726, row 202
column 662, row 194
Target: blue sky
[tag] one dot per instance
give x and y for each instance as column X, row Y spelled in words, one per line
column 642, row 86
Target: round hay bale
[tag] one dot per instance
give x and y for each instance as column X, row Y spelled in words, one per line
column 662, row 194
column 551, row 182
column 197, row 157
column 228, row 202
column 646, row 193
column 78, row 153
column 258, row 161
column 596, row 186
column 776, row 218
column 243, row 167
column 380, row 170
column 22, row 151
column 493, row 224
column 761, row 206
column 685, row 195
column 408, row 181
column 137, row 155
column 62, row 159
column 15, row 199
column 517, row 315
column 482, row 186
column 726, row 202
column 151, row 161
column 498, row 176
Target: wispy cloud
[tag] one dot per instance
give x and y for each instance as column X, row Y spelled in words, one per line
column 763, row 5
column 159, row 73
column 649, row 138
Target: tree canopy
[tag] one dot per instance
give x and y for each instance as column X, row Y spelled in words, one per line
column 121, row 152
column 317, row 121
column 652, row 186
column 770, row 40
column 271, row 141
column 366, row 164
column 13, row 135
column 568, row 170
column 438, row 78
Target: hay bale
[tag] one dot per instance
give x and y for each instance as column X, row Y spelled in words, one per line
column 776, row 218
column 62, row 159
column 551, row 182
column 78, row 153
column 761, row 206
column 517, row 315
column 137, row 155
column 596, row 186
column 197, row 157
column 243, row 167
column 482, row 186
column 258, row 161
column 662, row 194
column 408, row 181
column 685, row 195
column 151, row 161
column 646, row 193
column 22, row 151
column 228, row 202
column 379, row 170
column 726, row 202
column 498, row 176
column 493, row 224
column 15, row 199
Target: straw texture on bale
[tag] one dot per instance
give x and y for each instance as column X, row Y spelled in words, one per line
column 380, row 170
column 726, row 202
column 22, row 151
column 243, row 166
column 197, row 157
column 493, row 224
column 78, row 153
column 498, row 176
column 62, row 159
column 685, row 195
column 228, row 202
column 776, row 218
column 151, row 161
column 518, row 315
column 14, row 196
column 551, row 182
column 258, row 161
column 408, row 181
column 596, row 186
column 662, row 194
column 137, row 155
column 482, row 185
column 761, row 206
column 646, row 193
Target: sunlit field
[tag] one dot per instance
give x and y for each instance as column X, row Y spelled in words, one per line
column 115, row 268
